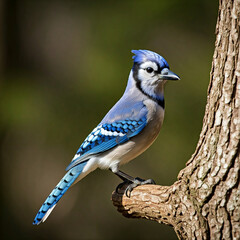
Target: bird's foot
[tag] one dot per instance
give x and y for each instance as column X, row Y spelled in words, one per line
column 137, row 182
column 120, row 185
column 132, row 184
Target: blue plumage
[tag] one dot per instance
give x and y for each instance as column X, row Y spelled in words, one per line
column 106, row 136
column 127, row 130
column 106, row 132
column 58, row 191
column 143, row 55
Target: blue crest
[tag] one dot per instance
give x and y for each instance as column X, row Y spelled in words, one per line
column 145, row 55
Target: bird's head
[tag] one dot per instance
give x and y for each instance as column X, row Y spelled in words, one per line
column 151, row 71
column 150, row 66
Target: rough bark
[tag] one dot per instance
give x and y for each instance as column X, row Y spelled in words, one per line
column 205, row 201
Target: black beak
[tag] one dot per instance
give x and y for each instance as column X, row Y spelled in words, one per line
column 166, row 74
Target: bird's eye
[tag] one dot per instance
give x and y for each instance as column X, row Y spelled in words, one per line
column 149, row 70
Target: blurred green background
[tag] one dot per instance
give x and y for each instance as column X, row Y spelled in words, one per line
column 63, row 65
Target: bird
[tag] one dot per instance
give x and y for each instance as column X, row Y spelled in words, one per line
column 125, row 132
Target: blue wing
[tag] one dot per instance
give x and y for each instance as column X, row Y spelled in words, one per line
column 108, row 134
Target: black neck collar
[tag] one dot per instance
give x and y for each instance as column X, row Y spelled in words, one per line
column 159, row 101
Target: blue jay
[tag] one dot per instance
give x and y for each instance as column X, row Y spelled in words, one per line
column 127, row 130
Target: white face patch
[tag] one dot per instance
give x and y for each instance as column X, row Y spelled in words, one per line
column 150, row 64
column 144, row 75
column 149, row 79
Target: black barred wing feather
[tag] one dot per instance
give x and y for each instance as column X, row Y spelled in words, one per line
column 106, row 136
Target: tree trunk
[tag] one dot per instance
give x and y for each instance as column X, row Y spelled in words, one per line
column 205, row 201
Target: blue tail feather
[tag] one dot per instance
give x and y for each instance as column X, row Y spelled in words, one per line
column 58, row 192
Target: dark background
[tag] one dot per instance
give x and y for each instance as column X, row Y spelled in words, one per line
column 63, row 65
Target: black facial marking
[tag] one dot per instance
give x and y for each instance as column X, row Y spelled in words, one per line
column 135, row 70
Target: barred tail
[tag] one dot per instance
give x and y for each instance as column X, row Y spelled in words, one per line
column 58, row 192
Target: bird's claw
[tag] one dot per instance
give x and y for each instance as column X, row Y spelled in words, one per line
column 120, row 185
column 137, row 182
column 131, row 185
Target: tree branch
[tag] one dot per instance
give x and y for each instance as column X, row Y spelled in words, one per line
column 152, row 202
column 204, row 203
